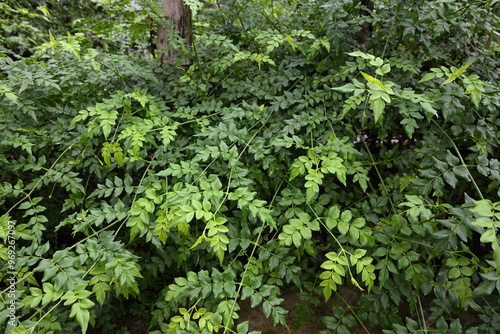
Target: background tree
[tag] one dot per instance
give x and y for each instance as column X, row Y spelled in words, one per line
column 366, row 27
column 292, row 159
column 179, row 25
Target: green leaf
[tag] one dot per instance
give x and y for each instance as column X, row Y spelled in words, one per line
column 266, row 308
column 339, row 269
column 450, row 178
column 488, row 236
column 328, row 265
column 297, row 239
column 346, row 216
column 334, row 212
column 310, row 193
column 100, row 292
column 442, row 325
column 454, row 273
column 414, row 199
column 412, row 325
column 246, row 292
column 13, row 97
column 216, row 319
column 378, row 106
column 384, row 69
column 349, row 320
column 82, row 316
column 347, row 88
column 359, row 253
column 483, row 208
column 327, row 293
column 86, row 303
column 243, row 327
column 306, row 233
column 485, row 288
column 428, row 108
column 483, row 222
column 19, row 330
column 377, row 62
column 476, row 96
column 362, row 55
column 427, row 77
column 496, row 255
column 255, row 300
column 343, row 227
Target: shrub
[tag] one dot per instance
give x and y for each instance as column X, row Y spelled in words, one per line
column 287, row 156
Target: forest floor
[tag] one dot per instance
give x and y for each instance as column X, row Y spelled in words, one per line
column 258, row 322
column 345, row 298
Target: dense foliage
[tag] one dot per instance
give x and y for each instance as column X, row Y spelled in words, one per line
column 290, row 155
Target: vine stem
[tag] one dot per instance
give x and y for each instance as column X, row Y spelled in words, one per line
column 390, row 31
column 40, row 180
column 31, row 329
column 243, row 276
column 258, row 236
column 352, row 311
column 461, row 159
column 376, row 169
column 422, row 313
column 342, row 249
column 135, row 195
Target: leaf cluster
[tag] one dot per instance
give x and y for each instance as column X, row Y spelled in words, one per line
column 286, row 157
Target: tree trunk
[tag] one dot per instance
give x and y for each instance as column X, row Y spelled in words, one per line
column 181, row 19
column 366, row 27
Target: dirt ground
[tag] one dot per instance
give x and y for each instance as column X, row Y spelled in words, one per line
column 258, row 322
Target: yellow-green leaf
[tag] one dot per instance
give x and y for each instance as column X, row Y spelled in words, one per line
column 458, row 73
column 198, row 241
column 373, row 81
column 290, row 40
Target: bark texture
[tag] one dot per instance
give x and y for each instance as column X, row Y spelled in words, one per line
column 181, row 19
column 366, row 27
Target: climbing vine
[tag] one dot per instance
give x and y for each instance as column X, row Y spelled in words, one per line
column 288, row 158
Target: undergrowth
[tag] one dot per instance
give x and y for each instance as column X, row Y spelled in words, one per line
column 288, row 156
